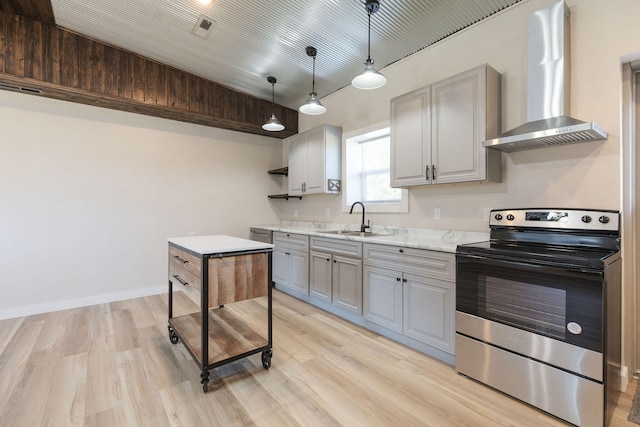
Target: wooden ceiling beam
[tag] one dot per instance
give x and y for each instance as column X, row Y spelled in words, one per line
column 46, row 60
column 38, row 10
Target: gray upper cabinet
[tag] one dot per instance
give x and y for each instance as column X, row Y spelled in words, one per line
column 314, row 158
column 411, row 138
column 437, row 131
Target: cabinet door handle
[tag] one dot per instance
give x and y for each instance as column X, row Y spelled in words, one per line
column 328, row 259
column 397, row 279
column 401, row 250
column 180, row 280
column 335, row 260
column 287, row 253
column 404, row 280
column 433, row 173
column 426, row 173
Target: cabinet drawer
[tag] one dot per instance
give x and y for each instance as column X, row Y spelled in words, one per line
column 185, row 260
column 184, row 280
column 417, row 261
column 291, row 241
column 336, row 246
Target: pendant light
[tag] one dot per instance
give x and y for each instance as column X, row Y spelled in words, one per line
column 370, row 78
column 312, row 106
column 273, row 125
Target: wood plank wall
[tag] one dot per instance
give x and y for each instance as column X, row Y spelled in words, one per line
column 68, row 66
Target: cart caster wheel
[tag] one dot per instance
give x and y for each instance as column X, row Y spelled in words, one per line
column 173, row 337
column 204, row 380
column 266, row 358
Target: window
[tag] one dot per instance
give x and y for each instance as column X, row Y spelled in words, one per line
column 367, row 171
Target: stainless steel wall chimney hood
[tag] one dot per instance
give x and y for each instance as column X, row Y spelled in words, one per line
column 548, row 89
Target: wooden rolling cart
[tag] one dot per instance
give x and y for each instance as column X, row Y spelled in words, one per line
column 214, row 271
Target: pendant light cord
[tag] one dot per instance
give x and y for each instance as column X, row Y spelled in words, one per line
column 313, row 78
column 273, row 98
column 369, row 38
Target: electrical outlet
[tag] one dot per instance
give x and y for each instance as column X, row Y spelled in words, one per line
column 437, row 213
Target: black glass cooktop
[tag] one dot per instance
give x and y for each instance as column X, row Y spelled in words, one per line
column 542, row 253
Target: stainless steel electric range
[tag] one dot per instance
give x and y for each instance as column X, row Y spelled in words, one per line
column 538, row 310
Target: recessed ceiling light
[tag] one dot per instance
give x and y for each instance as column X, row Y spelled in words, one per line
column 205, row 1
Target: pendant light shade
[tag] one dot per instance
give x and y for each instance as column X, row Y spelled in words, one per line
column 273, row 124
column 370, row 78
column 312, row 106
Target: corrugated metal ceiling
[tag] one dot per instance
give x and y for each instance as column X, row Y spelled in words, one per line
column 253, row 39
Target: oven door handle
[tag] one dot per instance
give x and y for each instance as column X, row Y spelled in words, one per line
column 548, row 269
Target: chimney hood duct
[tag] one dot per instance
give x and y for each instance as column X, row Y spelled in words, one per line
column 548, row 89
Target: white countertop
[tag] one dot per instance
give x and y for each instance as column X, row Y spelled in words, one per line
column 419, row 238
column 204, row 245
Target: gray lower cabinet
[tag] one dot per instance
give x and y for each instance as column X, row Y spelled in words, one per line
column 412, row 292
column 382, row 290
column 427, row 307
column 290, row 264
column 336, row 273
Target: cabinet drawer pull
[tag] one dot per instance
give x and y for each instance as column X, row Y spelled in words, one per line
column 180, row 280
column 287, row 253
column 401, row 251
column 184, row 261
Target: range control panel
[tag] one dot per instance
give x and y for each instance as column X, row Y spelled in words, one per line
column 572, row 219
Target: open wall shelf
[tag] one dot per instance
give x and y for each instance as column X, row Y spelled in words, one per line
column 284, row 196
column 280, row 171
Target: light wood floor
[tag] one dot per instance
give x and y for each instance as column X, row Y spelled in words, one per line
column 113, row 365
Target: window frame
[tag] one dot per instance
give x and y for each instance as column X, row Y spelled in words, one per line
column 349, row 141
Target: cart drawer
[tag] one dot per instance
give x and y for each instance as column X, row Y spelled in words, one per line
column 185, row 281
column 186, row 260
column 230, row 279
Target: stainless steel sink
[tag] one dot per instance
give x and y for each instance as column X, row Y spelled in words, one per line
column 354, row 233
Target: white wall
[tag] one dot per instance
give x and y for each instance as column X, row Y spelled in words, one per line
column 89, row 197
column 582, row 175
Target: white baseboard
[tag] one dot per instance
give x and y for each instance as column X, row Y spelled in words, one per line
column 28, row 310
column 624, row 378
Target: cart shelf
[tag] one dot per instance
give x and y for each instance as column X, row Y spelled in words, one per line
column 229, row 335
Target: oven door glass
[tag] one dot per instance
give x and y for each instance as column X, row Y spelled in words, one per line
column 552, row 301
